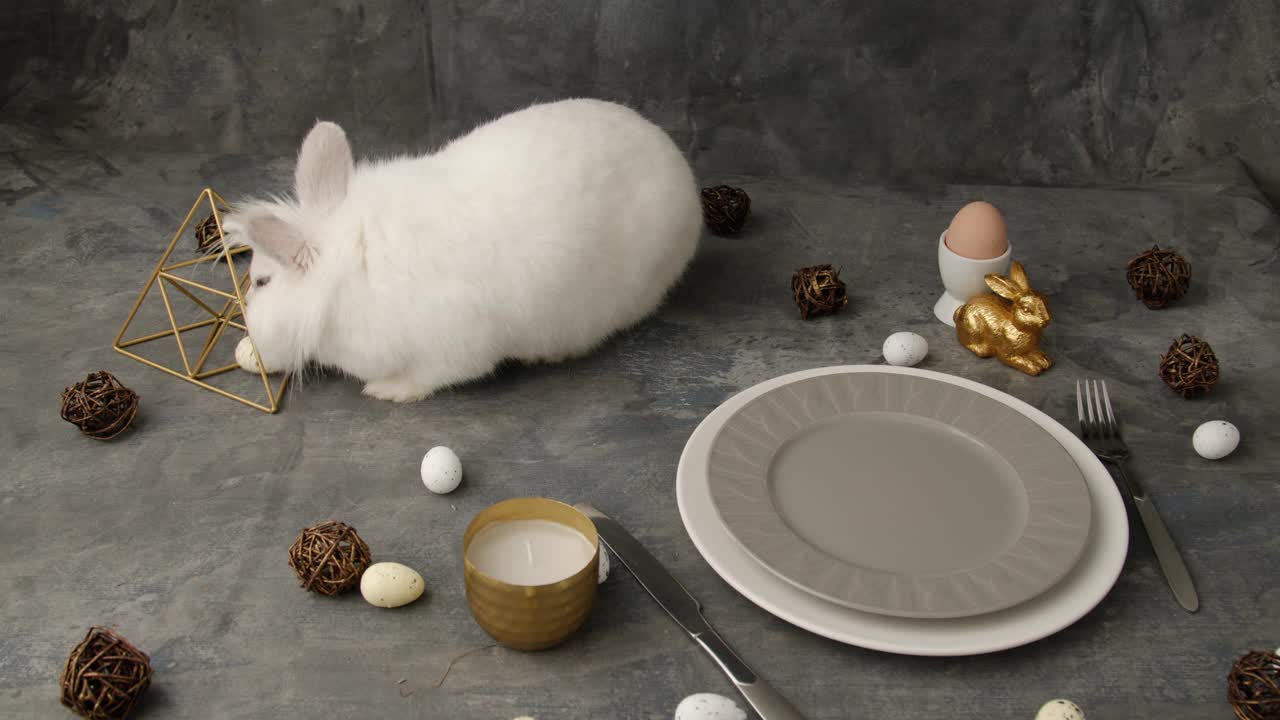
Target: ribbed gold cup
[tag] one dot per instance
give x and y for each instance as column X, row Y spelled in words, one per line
column 531, row 617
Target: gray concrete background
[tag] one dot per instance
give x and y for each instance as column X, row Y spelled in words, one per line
column 176, row 534
column 982, row 91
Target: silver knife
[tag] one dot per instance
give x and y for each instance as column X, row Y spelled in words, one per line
column 685, row 610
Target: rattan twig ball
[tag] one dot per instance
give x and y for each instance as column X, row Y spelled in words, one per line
column 329, row 558
column 104, row 676
column 208, row 241
column 818, row 290
column 1189, row 368
column 1159, row 277
column 99, row 405
column 725, row 209
column 207, row 238
column 1253, row 686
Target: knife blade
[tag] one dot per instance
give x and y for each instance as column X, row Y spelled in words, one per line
column 685, row 609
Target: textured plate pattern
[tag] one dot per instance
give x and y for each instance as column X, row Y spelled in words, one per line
column 1019, row 546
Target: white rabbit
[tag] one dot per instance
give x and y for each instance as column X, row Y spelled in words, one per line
column 534, row 237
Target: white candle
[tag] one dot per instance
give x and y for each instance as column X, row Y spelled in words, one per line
column 529, row 552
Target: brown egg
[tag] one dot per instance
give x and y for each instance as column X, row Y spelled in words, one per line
column 978, row 232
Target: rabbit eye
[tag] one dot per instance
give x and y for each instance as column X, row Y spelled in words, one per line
column 262, row 281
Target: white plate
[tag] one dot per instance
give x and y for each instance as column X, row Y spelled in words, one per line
column 1077, row 593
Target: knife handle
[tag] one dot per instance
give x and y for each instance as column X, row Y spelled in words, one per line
column 768, row 703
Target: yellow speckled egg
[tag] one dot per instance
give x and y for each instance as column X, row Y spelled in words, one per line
column 246, row 358
column 1060, row 710
column 390, row 584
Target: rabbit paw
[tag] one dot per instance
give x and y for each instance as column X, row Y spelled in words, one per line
column 1040, row 360
column 1028, row 363
column 396, row 390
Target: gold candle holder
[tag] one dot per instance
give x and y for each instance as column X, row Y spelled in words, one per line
column 522, row 615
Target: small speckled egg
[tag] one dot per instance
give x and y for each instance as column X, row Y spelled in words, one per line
column 709, row 706
column 1215, row 439
column 441, row 470
column 245, row 356
column 390, row 584
column 905, row 349
column 605, row 566
column 1060, row 710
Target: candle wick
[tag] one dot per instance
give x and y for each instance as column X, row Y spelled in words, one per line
column 528, row 549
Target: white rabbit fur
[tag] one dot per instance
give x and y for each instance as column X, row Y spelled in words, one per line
column 534, row 237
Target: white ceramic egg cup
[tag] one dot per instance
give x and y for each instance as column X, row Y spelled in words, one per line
column 964, row 278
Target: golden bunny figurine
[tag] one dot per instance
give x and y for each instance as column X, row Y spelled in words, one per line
column 988, row 325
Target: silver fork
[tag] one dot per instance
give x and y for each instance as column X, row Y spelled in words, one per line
column 1101, row 433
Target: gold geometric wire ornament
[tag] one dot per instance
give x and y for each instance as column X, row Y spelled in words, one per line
column 170, row 284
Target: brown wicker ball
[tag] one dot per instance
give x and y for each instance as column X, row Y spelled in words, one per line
column 104, row 676
column 329, row 558
column 100, row 406
column 207, row 237
column 208, row 241
column 1159, row 277
column 725, row 209
column 1189, row 367
column 818, row 290
column 1253, row 686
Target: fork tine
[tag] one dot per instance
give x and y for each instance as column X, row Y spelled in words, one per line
column 1102, row 419
column 1079, row 405
column 1106, row 400
column 1088, row 402
column 1103, row 428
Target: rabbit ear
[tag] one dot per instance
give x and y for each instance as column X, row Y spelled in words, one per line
column 324, row 168
column 1018, row 276
column 280, row 240
column 1003, row 287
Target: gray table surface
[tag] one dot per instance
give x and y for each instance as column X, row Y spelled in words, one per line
column 176, row 534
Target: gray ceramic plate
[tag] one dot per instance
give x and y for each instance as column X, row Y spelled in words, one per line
column 899, row 494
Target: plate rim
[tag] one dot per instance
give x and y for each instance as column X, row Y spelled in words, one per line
column 1105, row 554
column 952, row 580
